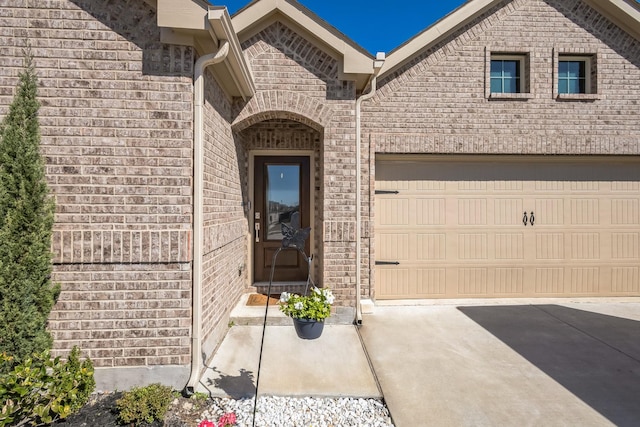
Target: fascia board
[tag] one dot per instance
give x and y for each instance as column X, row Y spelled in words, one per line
column 435, row 33
column 221, row 25
column 622, row 13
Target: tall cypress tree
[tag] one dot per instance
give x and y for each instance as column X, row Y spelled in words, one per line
column 27, row 294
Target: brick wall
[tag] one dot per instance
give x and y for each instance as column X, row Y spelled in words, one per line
column 225, row 222
column 437, row 103
column 116, row 122
column 297, row 81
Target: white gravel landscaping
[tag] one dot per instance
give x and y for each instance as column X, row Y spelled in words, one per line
column 302, row 412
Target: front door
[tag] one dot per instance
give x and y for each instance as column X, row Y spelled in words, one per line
column 281, row 188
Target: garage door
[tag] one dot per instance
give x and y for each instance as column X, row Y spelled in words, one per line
column 517, row 228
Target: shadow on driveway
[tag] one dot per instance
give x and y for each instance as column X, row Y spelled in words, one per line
column 594, row 356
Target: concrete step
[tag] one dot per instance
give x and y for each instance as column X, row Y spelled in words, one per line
column 244, row 315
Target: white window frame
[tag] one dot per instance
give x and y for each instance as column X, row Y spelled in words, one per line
column 587, row 72
column 525, row 75
column 591, row 60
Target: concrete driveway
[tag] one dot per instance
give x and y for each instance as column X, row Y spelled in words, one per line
column 496, row 363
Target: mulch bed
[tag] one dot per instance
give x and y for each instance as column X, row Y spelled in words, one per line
column 100, row 411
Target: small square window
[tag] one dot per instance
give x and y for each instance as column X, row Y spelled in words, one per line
column 505, row 76
column 572, row 76
column 576, row 77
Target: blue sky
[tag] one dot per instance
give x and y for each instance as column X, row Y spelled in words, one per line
column 363, row 20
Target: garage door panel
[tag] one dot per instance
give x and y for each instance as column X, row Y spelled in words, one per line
column 585, row 212
column 463, row 222
column 509, row 281
column 431, row 246
column 508, row 212
column 472, row 212
column 625, row 212
column 509, row 246
column 473, row 281
column 394, row 247
column 396, row 282
column 394, row 211
column 430, row 211
column 625, row 246
column 549, row 212
column 550, row 246
column 625, row 280
column 431, row 282
column 585, row 281
column 549, row 281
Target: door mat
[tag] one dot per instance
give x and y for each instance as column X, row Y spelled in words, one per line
column 261, row 299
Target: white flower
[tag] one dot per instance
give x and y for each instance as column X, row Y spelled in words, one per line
column 330, row 299
column 316, row 290
column 298, row 305
column 284, row 297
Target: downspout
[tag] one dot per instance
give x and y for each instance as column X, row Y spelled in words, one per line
column 198, row 212
column 377, row 65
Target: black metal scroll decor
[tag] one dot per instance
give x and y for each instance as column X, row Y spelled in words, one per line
column 294, row 237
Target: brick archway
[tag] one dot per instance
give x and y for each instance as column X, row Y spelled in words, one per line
column 283, row 105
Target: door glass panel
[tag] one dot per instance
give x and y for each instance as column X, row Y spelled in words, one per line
column 282, row 196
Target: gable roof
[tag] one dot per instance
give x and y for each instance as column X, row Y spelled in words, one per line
column 621, row 12
column 356, row 62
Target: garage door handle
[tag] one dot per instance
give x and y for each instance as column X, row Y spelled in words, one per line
column 531, row 219
column 387, row 192
column 387, row 263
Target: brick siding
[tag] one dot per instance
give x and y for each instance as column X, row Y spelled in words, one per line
column 116, row 124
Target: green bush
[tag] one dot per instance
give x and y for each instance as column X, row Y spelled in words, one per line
column 40, row 390
column 146, row 404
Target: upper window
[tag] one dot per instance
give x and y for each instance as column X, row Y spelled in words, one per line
column 572, row 76
column 576, row 76
column 508, row 75
column 505, row 76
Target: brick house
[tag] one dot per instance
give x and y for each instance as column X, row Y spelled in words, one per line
column 498, row 157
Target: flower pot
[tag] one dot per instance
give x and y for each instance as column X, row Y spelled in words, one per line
column 308, row 329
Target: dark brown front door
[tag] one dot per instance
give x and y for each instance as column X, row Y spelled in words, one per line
column 281, row 188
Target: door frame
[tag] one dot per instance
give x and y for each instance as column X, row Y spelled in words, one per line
column 251, row 184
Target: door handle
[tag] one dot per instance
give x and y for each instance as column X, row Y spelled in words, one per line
column 532, row 219
column 257, row 231
column 524, row 218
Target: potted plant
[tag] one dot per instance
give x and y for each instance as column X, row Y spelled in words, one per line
column 308, row 312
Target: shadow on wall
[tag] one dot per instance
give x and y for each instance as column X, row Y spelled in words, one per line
column 136, row 22
column 595, row 356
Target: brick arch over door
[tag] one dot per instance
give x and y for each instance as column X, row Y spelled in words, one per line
column 283, row 105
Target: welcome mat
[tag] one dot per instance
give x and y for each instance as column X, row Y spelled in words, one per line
column 261, row 299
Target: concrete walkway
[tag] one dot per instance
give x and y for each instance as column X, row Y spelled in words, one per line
column 334, row 365
column 461, row 363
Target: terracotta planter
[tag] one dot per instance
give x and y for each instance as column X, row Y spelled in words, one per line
column 308, row 329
